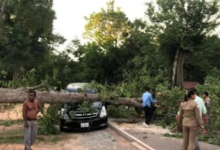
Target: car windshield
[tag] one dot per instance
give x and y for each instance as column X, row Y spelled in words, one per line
column 75, row 90
column 71, row 91
column 97, row 105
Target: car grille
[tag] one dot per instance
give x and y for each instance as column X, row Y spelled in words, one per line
column 82, row 115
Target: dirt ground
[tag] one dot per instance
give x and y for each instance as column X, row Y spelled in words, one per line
column 12, row 114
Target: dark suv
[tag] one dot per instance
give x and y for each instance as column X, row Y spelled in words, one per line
column 77, row 116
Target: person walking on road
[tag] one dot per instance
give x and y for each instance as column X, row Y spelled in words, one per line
column 190, row 113
column 31, row 108
column 147, row 101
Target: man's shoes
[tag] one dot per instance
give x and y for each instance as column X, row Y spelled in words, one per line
column 146, row 125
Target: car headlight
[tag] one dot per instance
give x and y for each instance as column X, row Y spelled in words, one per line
column 103, row 112
column 64, row 114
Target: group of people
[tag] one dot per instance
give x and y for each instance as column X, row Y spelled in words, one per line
column 191, row 117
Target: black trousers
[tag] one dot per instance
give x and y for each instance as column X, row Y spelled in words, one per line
column 154, row 109
column 148, row 114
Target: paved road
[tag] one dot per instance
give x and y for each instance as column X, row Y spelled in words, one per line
column 102, row 140
column 153, row 137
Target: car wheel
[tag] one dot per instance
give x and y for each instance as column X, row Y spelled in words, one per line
column 61, row 125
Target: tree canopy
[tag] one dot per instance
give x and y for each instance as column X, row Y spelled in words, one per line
column 29, row 27
column 181, row 26
column 108, row 27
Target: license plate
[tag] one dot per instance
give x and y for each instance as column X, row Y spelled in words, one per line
column 84, row 125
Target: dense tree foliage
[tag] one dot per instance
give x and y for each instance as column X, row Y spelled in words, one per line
column 117, row 50
column 107, row 28
column 181, row 28
column 28, row 28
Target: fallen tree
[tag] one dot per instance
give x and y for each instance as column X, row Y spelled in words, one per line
column 20, row 95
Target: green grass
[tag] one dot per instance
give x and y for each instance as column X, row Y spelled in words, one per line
column 15, row 132
column 177, row 135
column 12, row 136
column 11, row 139
column 10, row 122
column 19, row 139
column 16, row 137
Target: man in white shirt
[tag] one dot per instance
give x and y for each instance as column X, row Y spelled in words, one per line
column 203, row 112
column 201, row 104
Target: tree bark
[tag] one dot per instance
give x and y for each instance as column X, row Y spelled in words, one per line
column 20, row 95
column 177, row 75
column 15, row 73
column 175, row 61
column 38, row 87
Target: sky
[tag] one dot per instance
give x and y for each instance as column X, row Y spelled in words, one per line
column 70, row 14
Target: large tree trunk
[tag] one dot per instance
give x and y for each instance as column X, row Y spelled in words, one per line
column 20, row 95
column 15, row 73
column 177, row 74
column 175, row 61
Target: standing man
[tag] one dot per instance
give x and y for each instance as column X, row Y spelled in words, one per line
column 31, row 108
column 203, row 112
column 206, row 99
column 147, row 106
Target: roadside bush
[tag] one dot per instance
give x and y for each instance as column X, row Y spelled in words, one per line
column 49, row 121
column 169, row 105
column 121, row 112
column 212, row 86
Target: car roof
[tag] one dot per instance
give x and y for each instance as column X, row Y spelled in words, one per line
column 76, row 85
